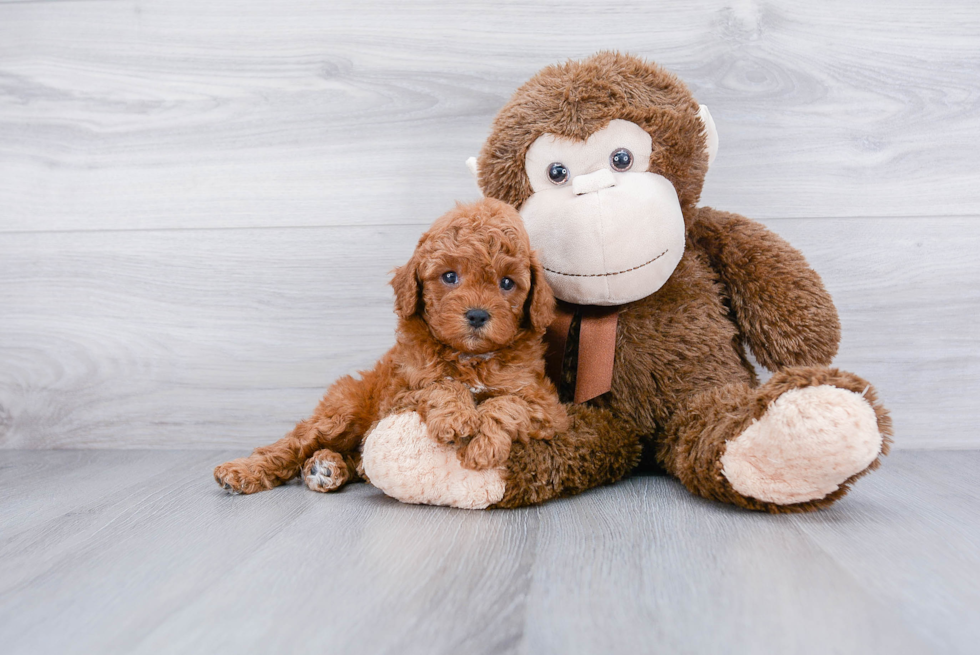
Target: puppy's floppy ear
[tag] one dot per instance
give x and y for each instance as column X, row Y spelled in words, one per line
column 539, row 308
column 408, row 290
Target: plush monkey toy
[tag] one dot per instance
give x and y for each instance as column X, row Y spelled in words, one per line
column 605, row 159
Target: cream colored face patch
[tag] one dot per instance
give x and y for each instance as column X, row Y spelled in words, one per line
column 607, row 230
column 584, row 157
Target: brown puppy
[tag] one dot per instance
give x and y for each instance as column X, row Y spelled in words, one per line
column 473, row 306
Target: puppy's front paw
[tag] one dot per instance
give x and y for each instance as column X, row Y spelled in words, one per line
column 240, row 476
column 325, row 471
column 485, row 452
column 450, row 429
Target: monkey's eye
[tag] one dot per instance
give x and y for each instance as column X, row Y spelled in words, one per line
column 621, row 160
column 506, row 284
column 450, row 277
column 557, row 173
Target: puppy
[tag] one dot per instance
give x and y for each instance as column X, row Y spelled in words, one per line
column 472, row 307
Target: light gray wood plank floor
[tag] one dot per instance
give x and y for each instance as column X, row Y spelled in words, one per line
column 139, row 551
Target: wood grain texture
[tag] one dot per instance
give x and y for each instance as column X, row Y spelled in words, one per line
column 226, row 338
column 199, row 205
column 140, row 552
column 666, row 572
column 161, row 115
column 177, row 338
column 929, row 499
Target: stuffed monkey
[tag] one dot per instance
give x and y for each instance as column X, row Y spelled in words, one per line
column 659, row 298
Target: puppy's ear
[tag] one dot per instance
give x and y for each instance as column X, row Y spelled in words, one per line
column 408, row 290
column 539, row 308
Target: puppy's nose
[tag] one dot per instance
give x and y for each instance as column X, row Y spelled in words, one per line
column 477, row 317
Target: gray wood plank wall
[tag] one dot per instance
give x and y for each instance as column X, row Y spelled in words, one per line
column 200, row 203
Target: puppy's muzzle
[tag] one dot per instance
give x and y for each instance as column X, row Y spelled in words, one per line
column 477, row 317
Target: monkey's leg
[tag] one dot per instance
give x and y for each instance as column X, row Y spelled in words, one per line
column 405, row 462
column 595, row 450
column 793, row 444
column 338, row 423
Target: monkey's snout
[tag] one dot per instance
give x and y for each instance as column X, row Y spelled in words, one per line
column 601, row 179
column 477, row 317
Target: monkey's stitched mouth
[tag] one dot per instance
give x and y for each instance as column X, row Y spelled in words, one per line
column 607, row 274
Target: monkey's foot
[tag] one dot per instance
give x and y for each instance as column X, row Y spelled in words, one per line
column 402, row 460
column 808, row 442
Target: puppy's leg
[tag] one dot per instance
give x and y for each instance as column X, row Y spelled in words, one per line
column 503, row 420
column 547, row 416
column 328, row 470
column 270, row 466
column 448, row 411
column 533, row 413
column 339, row 422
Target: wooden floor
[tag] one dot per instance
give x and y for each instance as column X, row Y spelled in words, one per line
column 139, row 551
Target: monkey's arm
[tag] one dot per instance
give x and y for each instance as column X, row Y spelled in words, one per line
column 595, row 450
column 779, row 302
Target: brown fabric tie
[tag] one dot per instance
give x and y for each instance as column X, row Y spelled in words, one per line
column 596, row 348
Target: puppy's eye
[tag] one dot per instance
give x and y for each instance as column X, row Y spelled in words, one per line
column 506, row 284
column 557, row 173
column 621, row 160
column 450, row 277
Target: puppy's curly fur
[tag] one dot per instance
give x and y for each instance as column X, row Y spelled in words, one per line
column 480, row 387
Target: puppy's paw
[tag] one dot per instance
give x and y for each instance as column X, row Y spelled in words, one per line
column 539, row 432
column 451, row 429
column 242, row 476
column 485, row 452
column 442, row 432
column 325, row 471
column 560, row 422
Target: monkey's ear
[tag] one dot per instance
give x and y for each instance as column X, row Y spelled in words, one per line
column 710, row 133
column 539, row 308
column 474, row 170
column 408, row 291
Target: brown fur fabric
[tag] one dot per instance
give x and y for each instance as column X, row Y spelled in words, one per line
column 595, row 450
column 682, row 384
column 482, row 387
